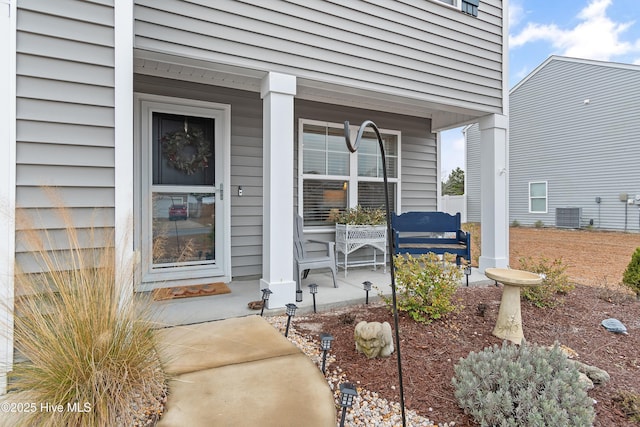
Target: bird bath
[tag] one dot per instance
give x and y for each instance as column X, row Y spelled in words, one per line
column 509, row 323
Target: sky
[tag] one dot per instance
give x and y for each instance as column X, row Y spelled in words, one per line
column 606, row 30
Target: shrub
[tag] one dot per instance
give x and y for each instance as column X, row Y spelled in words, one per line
column 515, row 223
column 555, row 281
column 631, row 276
column 85, row 344
column 424, row 287
column 538, row 224
column 629, row 403
column 358, row 216
column 522, row 386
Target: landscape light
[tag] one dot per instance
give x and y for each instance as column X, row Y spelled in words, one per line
column 291, row 311
column 265, row 298
column 325, row 345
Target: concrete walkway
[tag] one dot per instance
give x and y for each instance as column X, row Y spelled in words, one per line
column 241, row 372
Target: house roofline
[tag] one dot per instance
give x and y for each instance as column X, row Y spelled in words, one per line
column 618, row 65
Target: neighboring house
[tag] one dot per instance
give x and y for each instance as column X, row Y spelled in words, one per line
column 573, row 147
column 98, row 97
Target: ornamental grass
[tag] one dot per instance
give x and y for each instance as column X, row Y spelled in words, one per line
column 88, row 343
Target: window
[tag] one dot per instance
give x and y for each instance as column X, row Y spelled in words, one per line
column 467, row 6
column 538, row 197
column 333, row 178
column 470, row 7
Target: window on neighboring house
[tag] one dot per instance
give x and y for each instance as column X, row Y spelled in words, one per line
column 333, row 178
column 467, row 6
column 538, row 197
column 470, row 7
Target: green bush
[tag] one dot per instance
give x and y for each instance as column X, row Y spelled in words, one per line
column 359, row 215
column 631, row 276
column 424, row 287
column 515, row 223
column 555, row 281
column 629, row 403
column 525, row 386
column 538, row 224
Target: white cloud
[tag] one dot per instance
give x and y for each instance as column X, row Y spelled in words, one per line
column 595, row 37
column 516, row 13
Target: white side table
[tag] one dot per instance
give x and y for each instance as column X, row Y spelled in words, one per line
column 350, row 238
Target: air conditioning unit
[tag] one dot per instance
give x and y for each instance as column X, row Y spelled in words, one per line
column 568, row 217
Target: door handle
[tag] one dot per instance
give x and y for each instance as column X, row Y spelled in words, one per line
column 221, row 191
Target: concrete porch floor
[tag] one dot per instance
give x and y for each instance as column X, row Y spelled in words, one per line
column 349, row 291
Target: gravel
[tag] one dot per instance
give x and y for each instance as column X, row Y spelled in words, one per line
column 368, row 408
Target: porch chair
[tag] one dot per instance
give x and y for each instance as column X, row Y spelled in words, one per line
column 305, row 262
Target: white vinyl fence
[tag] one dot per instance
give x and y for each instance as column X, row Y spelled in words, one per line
column 453, row 205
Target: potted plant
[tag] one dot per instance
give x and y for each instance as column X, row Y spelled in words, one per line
column 358, row 227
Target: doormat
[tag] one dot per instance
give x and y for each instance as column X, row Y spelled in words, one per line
column 176, row 292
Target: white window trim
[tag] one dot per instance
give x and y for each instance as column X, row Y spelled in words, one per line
column 457, row 4
column 146, row 104
column 546, row 196
column 353, row 178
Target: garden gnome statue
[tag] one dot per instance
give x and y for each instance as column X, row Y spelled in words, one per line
column 374, row 339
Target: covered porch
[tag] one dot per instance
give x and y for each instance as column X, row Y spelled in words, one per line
column 349, row 291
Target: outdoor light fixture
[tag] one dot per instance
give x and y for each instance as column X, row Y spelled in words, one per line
column 299, row 295
column 325, row 345
column 367, row 288
column 313, row 289
column 265, row 297
column 467, row 272
column 291, row 311
column 347, row 394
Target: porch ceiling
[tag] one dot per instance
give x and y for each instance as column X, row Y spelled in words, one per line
column 232, row 76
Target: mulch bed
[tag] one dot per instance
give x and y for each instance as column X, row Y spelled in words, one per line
column 429, row 352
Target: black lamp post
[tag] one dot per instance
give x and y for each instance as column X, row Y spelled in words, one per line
column 325, row 345
column 265, row 298
column 347, row 393
column 367, row 288
column 352, row 148
column 291, row 311
column 467, row 271
column 313, row 290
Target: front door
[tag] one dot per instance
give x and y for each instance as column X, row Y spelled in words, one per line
column 183, row 218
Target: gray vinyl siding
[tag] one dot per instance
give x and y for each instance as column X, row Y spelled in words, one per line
column 416, row 48
column 472, row 173
column 582, row 151
column 65, row 113
column 246, row 162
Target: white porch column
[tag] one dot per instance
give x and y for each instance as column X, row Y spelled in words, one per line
column 494, row 191
column 277, row 92
column 123, row 92
column 7, row 183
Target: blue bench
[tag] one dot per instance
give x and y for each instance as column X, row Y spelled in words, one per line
column 418, row 233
